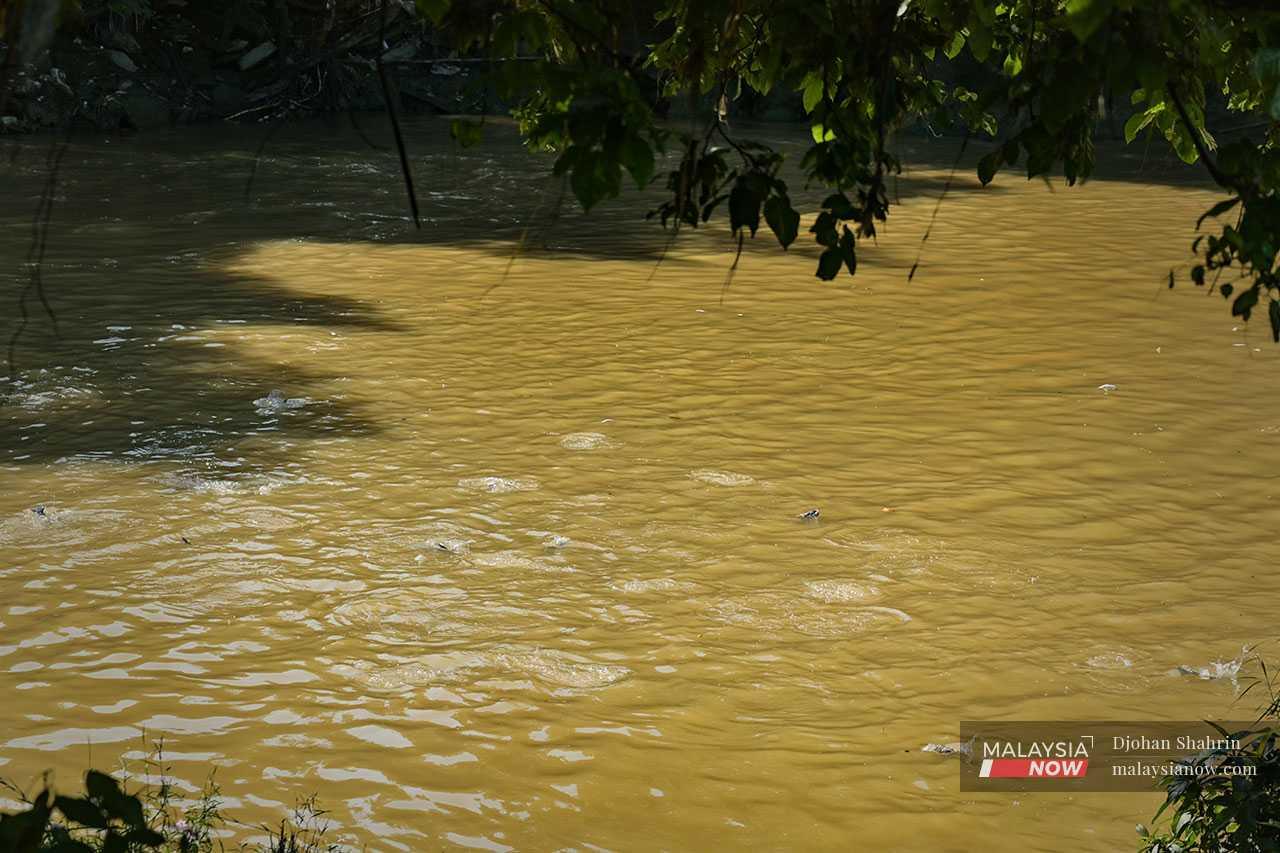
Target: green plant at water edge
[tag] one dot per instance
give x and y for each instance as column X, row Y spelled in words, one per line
column 105, row 818
column 305, row 835
column 579, row 76
column 110, row 819
column 1226, row 800
column 1211, row 811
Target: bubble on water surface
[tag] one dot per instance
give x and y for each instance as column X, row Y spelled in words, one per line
column 653, row 585
column 561, row 668
column 498, row 485
column 776, row 612
column 549, row 666
column 405, row 617
column 832, row 591
column 516, row 560
column 1109, row 661
column 721, row 478
column 585, row 441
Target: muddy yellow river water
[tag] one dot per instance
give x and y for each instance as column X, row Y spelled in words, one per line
column 511, row 557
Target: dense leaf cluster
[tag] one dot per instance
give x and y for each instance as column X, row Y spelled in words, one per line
column 587, row 77
column 1223, row 800
column 114, row 821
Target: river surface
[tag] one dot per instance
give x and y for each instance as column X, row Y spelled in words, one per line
column 512, row 557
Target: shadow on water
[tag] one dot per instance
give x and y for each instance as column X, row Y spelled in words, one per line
column 139, row 269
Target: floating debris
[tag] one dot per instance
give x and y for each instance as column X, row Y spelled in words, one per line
column 275, row 401
column 1215, row 670
column 1106, row 388
column 811, row 515
column 451, row 546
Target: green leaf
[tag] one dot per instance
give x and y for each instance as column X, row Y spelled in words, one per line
column 145, row 836
column 1243, row 306
column 637, row 156
column 812, row 91
column 783, row 219
column 840, row 206
column 829, row 264
column 1085, row 16
column 984, row 11
column 82, row 812
column 823, row 229
column 433, row 9
column 821, row 133
column 980, row 40
column 1013, row 65
column 1274, row 311
column 1137, row 122
column 989, row 165
column 589, row 180
column 22, row 832
column 566, row 160
column 1009, row 153
column 953, row 49
column 1183, row 145
column 1266, row 64
column 744, row 207
column 466, row 133
column 101, row 786
column 849, row 250
column 1218, row 209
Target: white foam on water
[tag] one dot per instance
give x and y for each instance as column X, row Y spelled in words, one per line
column 833, row 591
column 498, row 485
column 586, row 441
column 1109, row 661
column 721, row 478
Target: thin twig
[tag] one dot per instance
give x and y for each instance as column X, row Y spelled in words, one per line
column 36, row 252
column 945, row 189
column 355, row 125
column 393, row 113
column 728, row 278
column 257, row 157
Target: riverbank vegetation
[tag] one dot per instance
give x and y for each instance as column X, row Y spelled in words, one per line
column 1211, row 806
column 1029, row 82
column 107, row 818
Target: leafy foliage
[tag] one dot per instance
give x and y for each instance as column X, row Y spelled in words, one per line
column 109, row 819
column 1214, row 811
column 1226, row 800
column 115, row 819
column 865, row 68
